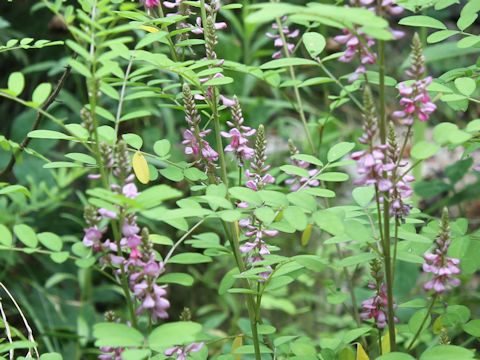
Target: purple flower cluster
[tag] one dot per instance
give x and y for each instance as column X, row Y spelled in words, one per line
column 140, row 264
column 144, row 271
column 357, row 42
column 370, row 161
column 297, row 181
column 360, row 43
column 183, row 352
column 194, row 137
column 415, row 99
column 278, row 40
column 151, row 3
column 379, row 165
column 259, row 177
column 376, row 306
column 439, row 264
column 238, row 135
column 256, row 248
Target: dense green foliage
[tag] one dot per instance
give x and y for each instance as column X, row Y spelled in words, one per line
column 130, row 228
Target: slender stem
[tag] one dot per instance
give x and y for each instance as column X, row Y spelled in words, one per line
column 39, row 117
column 295, row 88
column 182, row 239
column 229, row 229
column 394, row 260
column 334, row 78
column 386, row 204
column 122, row 95
column 380, row 341
column 427, row 315
column 239, row 176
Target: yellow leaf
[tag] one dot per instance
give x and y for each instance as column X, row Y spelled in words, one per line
column 140, row 167
column 386, row 343
column 149, row 29
column 237, row 342
column 437, row 326
column 361, row 354
column 306, row 235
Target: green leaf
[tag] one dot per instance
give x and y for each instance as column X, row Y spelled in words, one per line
column 133, row 140
column 320, row 192
column 395, row 356
column 308, row 158
column 315, row 81
column 333, row 176
column 47, row 134
column 224, row 80
column 423, row 150
column 5, row 236
column 466, row 19
column 416, row 321
column 447, row 352
column 363, row 195
column 136, row 354
column 472, row 328
column 83, row 158
column 116, row 335
column 189, row 258
column 177, row 278
column 61, row 164
column 311, row 262
column 16, row 83
column 26, row 235
column 295, row 170
column 50, row 240
column 295, row 217
column 465, row 85
column 265, row 215
column 52, row 356
column 135, row 114
column 174, row 333
column 329, row 222
column 245, row 194
column 422, row 21
column 285, row 62
column 442, row 131
column 314, row 43
column 468, row 41
column 194, row 174
column 440, row 35
column 41, row 93
column 339, row 150
column 60, row 257
column 362, row 258
column 10, row 189
column 162, row 147
column 172, row 173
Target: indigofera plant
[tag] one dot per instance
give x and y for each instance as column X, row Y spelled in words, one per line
column 216, row 179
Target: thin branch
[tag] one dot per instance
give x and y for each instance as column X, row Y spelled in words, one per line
column 39, row 117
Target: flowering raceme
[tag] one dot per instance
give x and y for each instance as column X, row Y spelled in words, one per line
column 287, row 34
column 415, row 99
column 238, row 135
column 376, row 307
column 357, row 42
column 439, row 264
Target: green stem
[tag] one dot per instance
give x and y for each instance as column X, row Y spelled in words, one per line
column 334, row 78
column 229, row 228
column 427, row 316
column 386, row 204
